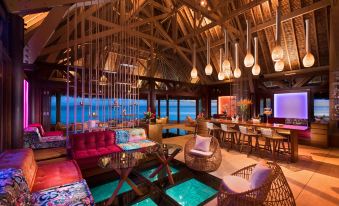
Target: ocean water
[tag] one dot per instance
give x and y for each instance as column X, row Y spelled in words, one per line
column 187, row 108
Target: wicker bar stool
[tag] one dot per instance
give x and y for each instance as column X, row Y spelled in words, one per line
column 228, row 135
column 287, row 135
column 213, row 130
column 274, row 142
column 245, row 132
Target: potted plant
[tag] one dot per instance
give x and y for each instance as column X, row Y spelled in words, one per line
column 149, row 116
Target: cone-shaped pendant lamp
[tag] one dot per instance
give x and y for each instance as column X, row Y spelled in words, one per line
column 194, row 71
column 256, row 67
column 221, row 75
column 208, row 68
column 277, row 52
column 308, row 59
column 237, row 71
column 249, row 59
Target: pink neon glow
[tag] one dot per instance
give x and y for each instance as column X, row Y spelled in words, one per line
column 25, row 103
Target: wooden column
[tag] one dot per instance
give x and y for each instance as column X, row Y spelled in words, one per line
column 334, row 73
column 16, row 54
column 159, row 108
column 58, row 107
column 152, row 96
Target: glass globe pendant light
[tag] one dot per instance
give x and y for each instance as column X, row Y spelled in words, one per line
column 221, row 75
column 308, row 59
column 256, row 67
column 194, row 71
column 249, row 59
column 279, row 66
column 237, row 71
column 226, row 65
column 208, row 68
column 277, row 52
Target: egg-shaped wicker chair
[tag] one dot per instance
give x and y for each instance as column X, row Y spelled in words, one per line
column 274, row 191
column 203, row 163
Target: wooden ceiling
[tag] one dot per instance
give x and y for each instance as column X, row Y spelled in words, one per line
column 170, row 28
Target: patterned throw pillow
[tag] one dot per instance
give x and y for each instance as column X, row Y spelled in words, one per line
column 137, row 134
column 122, row 136
column 13, row 188
column 136, row 145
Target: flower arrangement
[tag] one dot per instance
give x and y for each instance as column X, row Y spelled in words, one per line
column 201, row 116
column 149, row 115
column 244, row 106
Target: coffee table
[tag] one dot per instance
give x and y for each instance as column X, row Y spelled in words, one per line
column 123, row 164
column 165, row 154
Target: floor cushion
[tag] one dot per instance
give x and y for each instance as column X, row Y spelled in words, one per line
column 71, row 195
column 200, row 153
column 56, row 174
column 13, row 188
column 235, row 184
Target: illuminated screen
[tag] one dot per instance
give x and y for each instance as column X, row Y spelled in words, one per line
column 291, row 105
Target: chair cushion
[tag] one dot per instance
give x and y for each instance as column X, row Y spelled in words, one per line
column 73, row 194
column 13, row 188
column 136, row 134
column 53, row 133
column 136, row 145
column 235, row 184
column 202, row 143
column 52, row 138
column 92, row 140
column 259, row 175
column 56, row 174
column 200, row 153
column 20, row 159
column 122, row 136
column 39, row 126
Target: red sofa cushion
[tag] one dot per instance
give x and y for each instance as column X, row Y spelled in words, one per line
column 56, row 174
column 53, row 133
column 87, row 148
column 40, row 128
column 20, row 159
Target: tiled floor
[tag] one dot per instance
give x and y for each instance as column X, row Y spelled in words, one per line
column 314, row 179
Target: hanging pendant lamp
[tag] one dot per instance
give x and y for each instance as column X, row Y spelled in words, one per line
column 249, row 59
column 208, row 68
column 279, row 66
column 194, row 71
column 237, row 71
column 277, row 52
column 308, row 59
column 226, row 65
column 221, row 75
column 256, row 67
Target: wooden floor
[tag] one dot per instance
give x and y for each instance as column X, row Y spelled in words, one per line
column 314, row 179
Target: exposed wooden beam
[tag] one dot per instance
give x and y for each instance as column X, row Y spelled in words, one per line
column 41, row 36
column 286, row 74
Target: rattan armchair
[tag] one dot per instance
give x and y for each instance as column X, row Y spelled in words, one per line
column 274, row 191
column 203, row 163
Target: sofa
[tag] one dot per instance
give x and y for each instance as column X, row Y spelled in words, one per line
column 35, row 137
column 87, row 148
column 24, row 182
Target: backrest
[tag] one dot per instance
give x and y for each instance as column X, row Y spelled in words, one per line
column 266, row 132
column 92, row 140
column 39, row 126
column 20, row 159
column 136, row 134
column 224, row 127
column 13, row 188
column 243, row 129
column 209, row 125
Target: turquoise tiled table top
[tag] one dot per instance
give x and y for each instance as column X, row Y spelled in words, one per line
column 146, row 173
column 105, row 191
column 145, row 202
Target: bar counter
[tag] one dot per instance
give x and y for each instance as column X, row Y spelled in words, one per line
column 294, row 129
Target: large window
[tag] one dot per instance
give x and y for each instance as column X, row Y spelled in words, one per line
column 214, row 107
column 163, row 111
column 187, row 108
column 173, row 110
column 53, row 110
column 142, row 108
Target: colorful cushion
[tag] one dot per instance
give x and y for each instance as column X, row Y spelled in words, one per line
column 13, row 188
column 200, row 153
column 259, row 174
column 52, row 138
column 136, row 145
column 235, row 184
column 202, row 143
column 137, row 134
column 39, row 126
column 71, row 195
column 122, row 136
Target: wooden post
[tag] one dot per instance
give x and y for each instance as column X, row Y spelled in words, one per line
column 58, row 107
column 16, row 54
column 159, row 111
column 334, row 73
column 152, row 96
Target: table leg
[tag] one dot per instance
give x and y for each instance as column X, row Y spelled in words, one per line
column 294, row 146
column 169, row 173
column 123, row 176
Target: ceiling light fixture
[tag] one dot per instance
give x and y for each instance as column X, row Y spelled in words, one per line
column 208, row 68
column 277, row 52
column 226, row 65
column 203, row 3
column 249, row 59
column 308, row 59
column 256, row 67
column 237, row 71
column 194, row 71
column 221, row 75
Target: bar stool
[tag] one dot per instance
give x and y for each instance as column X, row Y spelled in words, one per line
column 276, row 140
column 213, row 130
column 228, row 135
column 245, row 132
column 287, row 135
